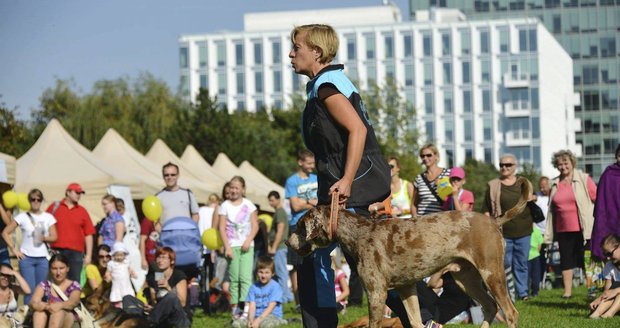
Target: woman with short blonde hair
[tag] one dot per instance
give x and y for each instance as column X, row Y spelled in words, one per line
column 426, row 199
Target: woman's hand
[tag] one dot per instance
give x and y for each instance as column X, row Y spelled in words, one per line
column 344, row 188
column 596, row 303
column 19, row 255
column 246, row 245
column 228, row 252
column 54, row 307
column 163, row 283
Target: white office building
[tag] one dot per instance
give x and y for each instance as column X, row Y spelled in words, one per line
column 480, row 88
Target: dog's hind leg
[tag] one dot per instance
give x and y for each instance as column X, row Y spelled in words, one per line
column 470, row 280
column 409, row 296
column 496, row 282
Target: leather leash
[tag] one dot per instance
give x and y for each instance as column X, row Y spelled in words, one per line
column 333, row 214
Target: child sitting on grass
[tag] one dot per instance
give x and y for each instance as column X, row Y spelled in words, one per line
column 265, row 299
column 608, row 304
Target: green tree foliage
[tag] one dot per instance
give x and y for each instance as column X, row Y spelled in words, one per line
column 531, row 173
column 14, row 133
column 394, row 123
column 478, row 174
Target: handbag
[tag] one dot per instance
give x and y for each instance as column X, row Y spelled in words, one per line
column 86, row 319
column 536, row 212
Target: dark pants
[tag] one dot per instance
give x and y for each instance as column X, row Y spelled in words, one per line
column 76, row 261
column 168, row 312
column 312, row 315
column 534, row 269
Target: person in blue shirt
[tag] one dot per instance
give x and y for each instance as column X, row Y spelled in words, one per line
column 265, row 299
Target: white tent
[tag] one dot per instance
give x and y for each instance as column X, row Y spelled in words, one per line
column 115, row 150
column 248, row 169
column 56, row 160
column 255, row 190
column 200, row 167
column 161, row 154
column 7, row 164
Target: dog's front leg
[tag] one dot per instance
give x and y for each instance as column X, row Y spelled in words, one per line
column 409, row 296
column 376, row 306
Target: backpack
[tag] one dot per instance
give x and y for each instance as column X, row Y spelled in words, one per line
column 182, row 235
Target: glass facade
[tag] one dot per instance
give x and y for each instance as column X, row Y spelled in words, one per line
column 588, row 31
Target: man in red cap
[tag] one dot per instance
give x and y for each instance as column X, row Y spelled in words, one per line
column 75, row 230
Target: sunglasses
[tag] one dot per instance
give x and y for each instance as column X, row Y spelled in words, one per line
column 392, row 166
column 4, row 275
column 455, row 179
column 610, row 254
column 105, row 256
column 426, row 155
column 506, row 165
column 37, row 200
column 170, row 175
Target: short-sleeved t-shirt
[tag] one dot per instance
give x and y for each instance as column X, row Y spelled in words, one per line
column 306, row 189
column 279, row 217
column 535, row 241
column 72, row 226
column 152, row 238
column 175, row 277
column 178, row 203
column 238, row 221
column 107, row 231
column 611, row 272
column 43, row 221
column 262, row 295
column 465, row 197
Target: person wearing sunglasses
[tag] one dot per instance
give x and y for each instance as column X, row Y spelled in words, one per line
column 426, row 199
column 608, row 303
column 570, row 216
column 502, row 194
column 607, row 209
column 401, row 199
column 95, row 271
column 176, row 201
column 37, row 229
column 12, row 284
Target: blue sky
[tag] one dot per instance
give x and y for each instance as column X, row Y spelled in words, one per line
column 42, row 40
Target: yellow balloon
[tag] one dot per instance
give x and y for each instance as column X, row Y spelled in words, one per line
column 212, row 239
column 9, row 198
column 22, row 201
column 268, row 219
column 151, row 207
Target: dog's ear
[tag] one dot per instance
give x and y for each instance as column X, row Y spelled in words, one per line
column 316, row 223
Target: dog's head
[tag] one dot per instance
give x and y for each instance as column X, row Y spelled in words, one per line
column 312, row 231
column 97, row 303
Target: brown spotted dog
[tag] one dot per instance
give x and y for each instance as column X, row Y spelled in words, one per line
column 395, row 253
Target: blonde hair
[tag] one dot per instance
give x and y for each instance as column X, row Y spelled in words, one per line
column 213, row 199
column 562, row 154
column 319, row 37
column 432, row 147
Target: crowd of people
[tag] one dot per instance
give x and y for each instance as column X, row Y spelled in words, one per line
column 254, row 266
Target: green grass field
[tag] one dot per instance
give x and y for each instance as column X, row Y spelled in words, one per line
column 546, row 310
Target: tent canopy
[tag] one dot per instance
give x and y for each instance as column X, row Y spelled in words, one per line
column 56, row 159
column 255, row 190
column 248, row 169
column 200, row 167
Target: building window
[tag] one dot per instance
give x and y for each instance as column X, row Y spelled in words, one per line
column 409, row 75
column 448, row 103
column 204, row 81
column 519, row 128
column 428, row 102
column 486, row 100
column 371, row 74
column 389, row 46
column 258, row 82
column 608, row 47
column 240, row 106
column 277, row 81
column 407, row 46
column 370, row 46
column 484, row 42
column 260, row 105
column 221, row 54
column 239, row 54
column 430, row 131
column 352, row 73
column 446, row 44
column 469, row 153
column 535, row 127
column 277, row 104
column 590, row 74
column 428, row 74
column 389, row 72
column 468, row 129
column 466, row 72
column 485, row 74
column 449, row 130
column 184, row 85
column 447, row 73
column 556, row 24
column 202, row 54
column 487, row 129
column 467, row 101
column 527, row 40
column 296, row 82
column 258, row 53
column 351, row 48
column 183, row 57
column 276, row 52
column 465, row 42
column 221, row 84
column 427, row 45
column 488, row 155
column 534, row 99
column 240, row 82
column 504, row 41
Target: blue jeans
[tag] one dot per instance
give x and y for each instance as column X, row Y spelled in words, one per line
column 34, row 270
column 282, row 274
column 4, row 255
column 534, row 268
column 517, row 251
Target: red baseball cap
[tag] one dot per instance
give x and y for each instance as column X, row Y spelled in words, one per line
column 76, row 187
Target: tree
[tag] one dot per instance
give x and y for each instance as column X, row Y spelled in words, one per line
column 394, row 124
column 15, row 137
column 478, row 174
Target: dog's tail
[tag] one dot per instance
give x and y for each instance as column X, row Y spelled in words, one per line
column 526, row 191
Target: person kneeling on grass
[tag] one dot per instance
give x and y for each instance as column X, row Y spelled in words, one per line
column 265, row 299
column 608, row 304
